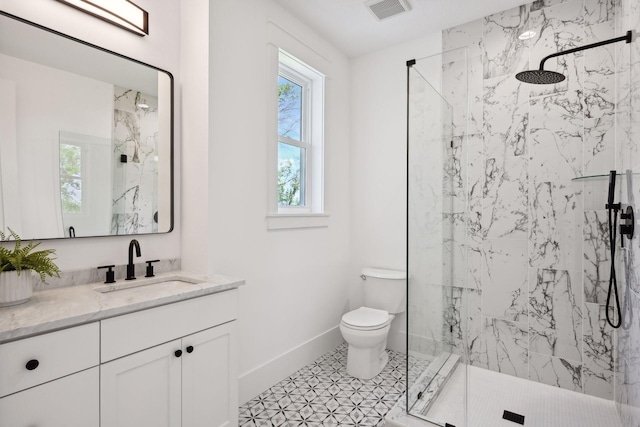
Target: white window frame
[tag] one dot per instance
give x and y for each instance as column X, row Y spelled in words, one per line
column 312, row 214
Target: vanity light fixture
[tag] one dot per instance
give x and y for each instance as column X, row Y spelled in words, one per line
column 122, row 13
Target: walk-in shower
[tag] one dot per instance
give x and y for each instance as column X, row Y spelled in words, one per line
column 512, row 259
column 542, row 76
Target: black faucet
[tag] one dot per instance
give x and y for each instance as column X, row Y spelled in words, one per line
column 131, row 268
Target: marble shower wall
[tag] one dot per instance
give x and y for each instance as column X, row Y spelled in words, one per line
column 135, row 132
column 426, row 222
column 536, row 249
column 627, row 342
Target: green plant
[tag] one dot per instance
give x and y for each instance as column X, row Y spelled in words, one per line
column 23, row 258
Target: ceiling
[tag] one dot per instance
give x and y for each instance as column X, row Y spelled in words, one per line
column 352, row 28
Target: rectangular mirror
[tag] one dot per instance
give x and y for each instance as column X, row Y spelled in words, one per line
column 86, row 138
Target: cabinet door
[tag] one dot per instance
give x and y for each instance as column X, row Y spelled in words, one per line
column 67, row 402
column 142, row 389
column 210, row 378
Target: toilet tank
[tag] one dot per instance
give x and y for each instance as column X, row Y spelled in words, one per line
column 385, row 289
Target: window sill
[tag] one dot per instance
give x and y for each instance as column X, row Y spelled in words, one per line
column 287, row 221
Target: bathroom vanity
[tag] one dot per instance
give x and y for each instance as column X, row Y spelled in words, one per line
column 158, row 352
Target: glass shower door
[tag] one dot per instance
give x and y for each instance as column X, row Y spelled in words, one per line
column 435, row 228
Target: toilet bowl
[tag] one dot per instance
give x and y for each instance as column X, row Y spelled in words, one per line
column 366, row 330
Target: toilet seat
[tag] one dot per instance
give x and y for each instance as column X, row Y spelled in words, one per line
column 366, row 319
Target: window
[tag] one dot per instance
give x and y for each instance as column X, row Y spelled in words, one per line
column 293, row 139
column 71, row 178
column 300, row 143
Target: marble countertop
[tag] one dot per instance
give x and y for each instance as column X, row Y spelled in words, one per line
column 48, row 310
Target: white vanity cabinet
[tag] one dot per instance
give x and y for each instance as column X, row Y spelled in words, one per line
column 51, row 380
column 142, row 389
column 71, row 401
column 172, row 366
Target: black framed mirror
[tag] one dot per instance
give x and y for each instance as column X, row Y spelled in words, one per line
column 86, row 138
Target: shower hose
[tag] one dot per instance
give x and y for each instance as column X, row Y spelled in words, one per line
column 613, row 282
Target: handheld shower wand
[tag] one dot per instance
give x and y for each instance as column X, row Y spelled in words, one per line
column 613, row 282
column 612, row 188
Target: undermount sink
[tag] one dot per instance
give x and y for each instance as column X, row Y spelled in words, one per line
column 156, row 282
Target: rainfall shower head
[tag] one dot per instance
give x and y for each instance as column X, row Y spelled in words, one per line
column 543, row 77
column 540, row 77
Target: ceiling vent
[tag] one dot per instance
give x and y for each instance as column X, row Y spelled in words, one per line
column 383, row 9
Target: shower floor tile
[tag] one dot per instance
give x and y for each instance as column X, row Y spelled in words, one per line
column 490, row 393
column 322, row 394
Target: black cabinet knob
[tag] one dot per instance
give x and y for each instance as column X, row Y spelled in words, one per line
column 190, row 349
column 32, row 364
column 178, row 353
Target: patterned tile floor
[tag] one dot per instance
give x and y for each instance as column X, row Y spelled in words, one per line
column 322, row 394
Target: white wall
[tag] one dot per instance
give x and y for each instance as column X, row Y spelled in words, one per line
column 194, row 90
column 299, row 282
column 83, row 106
column 161, row 49
column 378, row 96
column 296, row 289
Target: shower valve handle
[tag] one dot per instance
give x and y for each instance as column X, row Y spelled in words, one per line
column 627, row 226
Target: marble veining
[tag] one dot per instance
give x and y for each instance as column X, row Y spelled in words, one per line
column 455, row 65
column 535, row 244
column 95, row 275
column 504, row 280
column 599, row 358
column 135, row 200
column 541, row 4
column 559, row 27
column 554, row 229
column 426, row 334
column 597, row 262
column 599, row 11
column 555, row 314
column 599, row 79
column 505, row 198
column 563, row 373
column 453, row 183
column 599, row 145
column 506, row 116
column 506, row 347
column 504, row 53
column 467, row 35
column 454, row 250
column 556, row 137
column 74, row 305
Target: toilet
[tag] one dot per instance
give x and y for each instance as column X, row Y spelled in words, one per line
column 366, row 328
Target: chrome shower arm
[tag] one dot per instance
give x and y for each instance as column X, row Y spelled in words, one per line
column 627, row 38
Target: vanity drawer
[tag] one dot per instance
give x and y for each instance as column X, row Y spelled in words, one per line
column 72, row 401
column 57, row 354
column 133, row 332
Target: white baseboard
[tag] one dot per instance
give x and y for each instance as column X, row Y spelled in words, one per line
column 259, row 379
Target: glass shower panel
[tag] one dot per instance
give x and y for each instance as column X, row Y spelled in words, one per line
column 436, row 231
column 626, row 342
